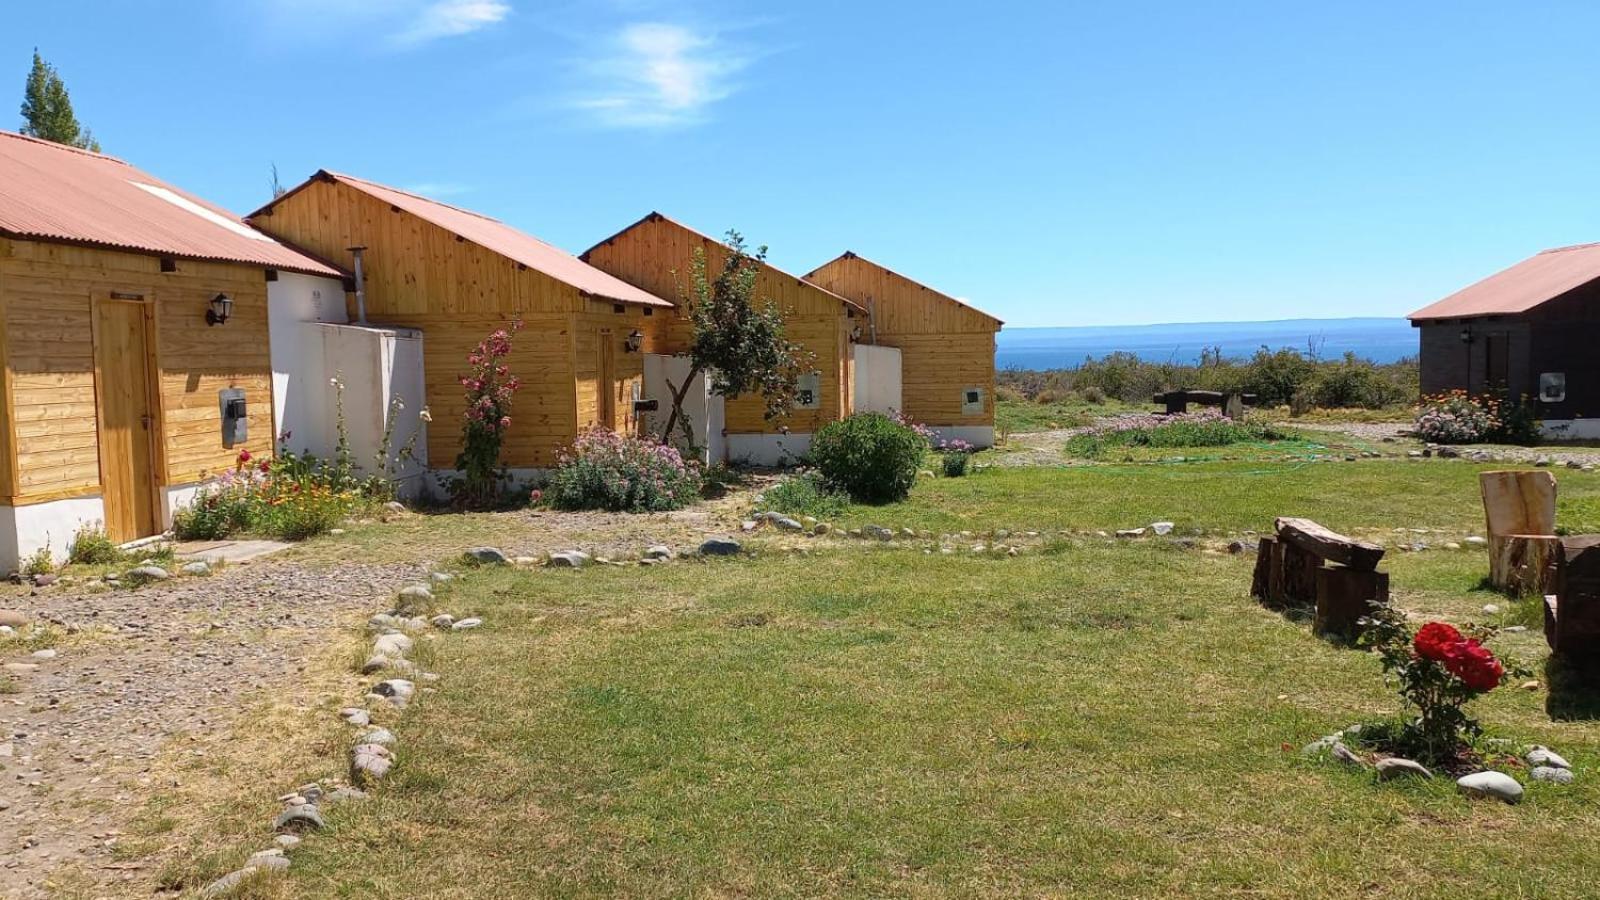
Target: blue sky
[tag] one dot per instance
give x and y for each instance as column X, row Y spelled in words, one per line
column 1058, row 163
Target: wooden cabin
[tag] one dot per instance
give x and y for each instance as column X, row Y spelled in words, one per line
column 656, row 253
column 946, row 346
column 1526, row 334
column 123, row 386
column 456, row 276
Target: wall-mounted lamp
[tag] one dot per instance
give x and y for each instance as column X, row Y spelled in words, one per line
column 1466, row 335
column 855, row 333
column 633, row 341
column 221, row 308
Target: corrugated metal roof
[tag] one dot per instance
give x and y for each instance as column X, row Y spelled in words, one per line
column 658, row 217
column 1522, row 287
column 51, row 192
column 851, row 254
column 498, row 237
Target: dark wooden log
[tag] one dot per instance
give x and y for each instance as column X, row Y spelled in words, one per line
column 1299, row 579
column 1344, row 596
column 1261, row 580
column 1329, row 545
column 1575, row 614
column 1524, row 564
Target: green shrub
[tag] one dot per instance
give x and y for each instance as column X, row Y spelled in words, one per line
column 91, row 546
column 40, row 562
column 869, row 456
column 1093, row 395
column 806, row 494
column 955, row 462
column 1208, row 428
column 610, row 471
column 215, row 513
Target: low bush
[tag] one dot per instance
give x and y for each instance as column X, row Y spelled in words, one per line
column 40, row 562
column 291, row 497
column 91, row 546
column 955, row 462
column 621, row 473
column 805, row 494
column 1456, row 417
column 1208, row 428
column 869, row 456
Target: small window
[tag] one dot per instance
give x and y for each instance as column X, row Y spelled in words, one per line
column 1552, row 387
column 972, row 401
column 808, row 391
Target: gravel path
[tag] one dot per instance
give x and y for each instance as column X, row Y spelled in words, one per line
column 135, row 668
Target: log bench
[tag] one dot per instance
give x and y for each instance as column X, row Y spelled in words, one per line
column 1307, row 564
column 1232, row 404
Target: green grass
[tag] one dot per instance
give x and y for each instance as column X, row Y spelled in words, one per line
column 1021, row 416
column 1099, row 720
column 1222, row 497
column 1174, row 435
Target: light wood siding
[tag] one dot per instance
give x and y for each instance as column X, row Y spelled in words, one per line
column 656, row 255
column 46, row 292
column 412, row 266
column 945, row 346
column 627, row 368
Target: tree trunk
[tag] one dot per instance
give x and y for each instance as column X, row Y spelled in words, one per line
column 678, row 393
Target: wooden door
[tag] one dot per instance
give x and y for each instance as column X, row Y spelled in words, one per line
column 1497, row 352
column 127, row 423
column 606, row 381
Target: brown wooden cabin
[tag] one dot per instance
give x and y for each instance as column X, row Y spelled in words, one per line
column 656, row 253
column 457, row 276
column 111, row 395
column 947, row 347
column 1528, row 333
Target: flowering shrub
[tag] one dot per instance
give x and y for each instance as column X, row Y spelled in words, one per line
column 1438, row 669
column 869, row 456
column 1205, row 428
column 956, row 455
column 489, row 388
column 292, row 497
column 1456, row 417
column 606, row 470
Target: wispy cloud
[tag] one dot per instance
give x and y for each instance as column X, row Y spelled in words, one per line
column 401, row 23
column 657, row 75
column 449, row 18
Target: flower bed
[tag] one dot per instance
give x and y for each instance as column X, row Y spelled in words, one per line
column 605, row 470
column 291, row 497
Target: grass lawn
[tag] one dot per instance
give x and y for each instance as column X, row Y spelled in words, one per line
column 1372, row 495
column 1098, row 720
column 1020, row 416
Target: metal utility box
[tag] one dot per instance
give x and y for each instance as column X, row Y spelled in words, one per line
column 235, row 416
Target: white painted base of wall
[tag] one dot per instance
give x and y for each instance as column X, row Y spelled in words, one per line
column 1571, row 429
column 24, row 529
column 980, row 436
column 437, row 482
column 174, row 498
column 767, row 449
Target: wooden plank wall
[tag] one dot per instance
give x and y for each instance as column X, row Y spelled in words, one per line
column 656, row 255
column 45, row 299
column 628, row 368
column 412, row 266
column 945, row 346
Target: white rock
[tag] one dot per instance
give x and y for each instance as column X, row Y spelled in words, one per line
column 1161, row 528
column 1544, row 756
column 392, row 645
column 1497, row 785
column 467, row 623
column 1395, row 767
column 443, row 620
column 47, row 653
column 355, row 715
column 569, row 559
column 1491, row 609
column 196, row 568
column 441, row 577
column 415, row 593
column 1551, row 774
column 370, row 762
column 1476, row 541
column 659, row 551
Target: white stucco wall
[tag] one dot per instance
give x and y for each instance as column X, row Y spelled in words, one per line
column 768, row 449
column 1571, row 429
column 877, row 377
column 705, row 410
column 24, row 529
column 299, row 396
column 980, row 436
column 375, row 364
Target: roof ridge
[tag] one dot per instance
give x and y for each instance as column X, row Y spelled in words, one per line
column 851, row 254
column 1587, row 246
column 415, row 195
column 56, row 145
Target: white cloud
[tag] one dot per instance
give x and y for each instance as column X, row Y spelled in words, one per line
column 655, row 75
column 403, row 23
column 449, row 18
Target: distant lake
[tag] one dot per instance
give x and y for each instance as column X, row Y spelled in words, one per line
column 1380, row 340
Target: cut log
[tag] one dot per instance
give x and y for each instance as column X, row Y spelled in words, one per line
column 1344, row 596
column 1523, row 564
column 1261, row 581
column 1520, row 502
column 1329, row 545
column 1575, row 614
column 1299, row 583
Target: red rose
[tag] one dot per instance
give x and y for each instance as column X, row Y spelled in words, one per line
column 1435, row 640
column 1475, row 665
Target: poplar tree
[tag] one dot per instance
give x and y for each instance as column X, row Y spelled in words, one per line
column 47, row 110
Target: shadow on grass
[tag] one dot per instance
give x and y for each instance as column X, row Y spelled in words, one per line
column 1574, row 688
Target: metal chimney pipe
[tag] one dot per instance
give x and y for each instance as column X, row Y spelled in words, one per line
column 361, row 287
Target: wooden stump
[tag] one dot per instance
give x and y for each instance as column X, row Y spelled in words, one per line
column 1328, row 544
column 1524, row 564
column 1574, row 626
column 1261, row 581
column 1344, row 596
column 1285, row 575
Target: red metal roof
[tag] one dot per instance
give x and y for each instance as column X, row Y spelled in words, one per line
column 1522, row 287
column 658, row 217
column 851, row 254
column 51, row 192
column 498, row 237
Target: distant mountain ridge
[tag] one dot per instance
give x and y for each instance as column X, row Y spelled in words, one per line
column 1381, row 340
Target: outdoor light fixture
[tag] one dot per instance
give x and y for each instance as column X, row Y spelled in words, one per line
column 1466, row 335
column 633, row 341
column 855, row 333
column 221, row 308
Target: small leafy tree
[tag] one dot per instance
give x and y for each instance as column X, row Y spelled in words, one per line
column 489, row 388
column 738, row 338
column 47, row 110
